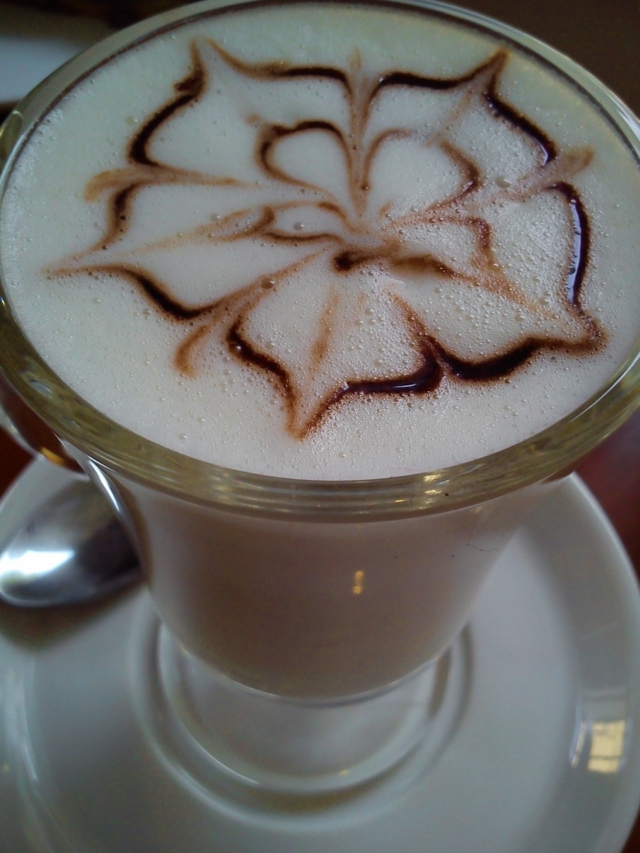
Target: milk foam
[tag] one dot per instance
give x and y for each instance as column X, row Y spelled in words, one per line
column 326, row 242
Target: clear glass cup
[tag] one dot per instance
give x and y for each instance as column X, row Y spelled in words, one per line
column 304, row 624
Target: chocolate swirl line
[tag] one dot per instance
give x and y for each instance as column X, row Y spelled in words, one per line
column 581, row 242
column 439, row 84
column 364, row 241
column 188, row 91
column 272, row 134
column 517, row 119
column 281, row 70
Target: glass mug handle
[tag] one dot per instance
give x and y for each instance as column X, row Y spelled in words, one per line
column 29, row 430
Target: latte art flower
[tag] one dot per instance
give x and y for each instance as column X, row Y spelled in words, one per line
column 346, row 232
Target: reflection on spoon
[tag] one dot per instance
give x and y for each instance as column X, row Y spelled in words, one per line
column 72, row 549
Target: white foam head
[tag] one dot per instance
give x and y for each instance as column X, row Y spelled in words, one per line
column 326, row 241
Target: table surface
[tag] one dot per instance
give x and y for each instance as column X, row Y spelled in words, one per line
column 604, row 38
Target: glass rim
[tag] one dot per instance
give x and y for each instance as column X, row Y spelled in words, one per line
column 545, row 455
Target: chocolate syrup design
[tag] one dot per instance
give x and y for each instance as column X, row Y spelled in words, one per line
column 321, row 272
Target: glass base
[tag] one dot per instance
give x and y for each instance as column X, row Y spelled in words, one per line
column 223, row 733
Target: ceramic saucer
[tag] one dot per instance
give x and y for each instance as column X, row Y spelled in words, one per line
column 538, row 748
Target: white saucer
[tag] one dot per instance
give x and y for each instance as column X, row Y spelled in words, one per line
column 543, row 755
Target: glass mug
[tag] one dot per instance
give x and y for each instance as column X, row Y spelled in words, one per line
column 304, row 624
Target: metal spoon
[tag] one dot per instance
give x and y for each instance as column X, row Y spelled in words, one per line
column 72, row 549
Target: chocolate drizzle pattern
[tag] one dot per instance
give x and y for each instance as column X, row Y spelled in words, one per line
column 350, row 240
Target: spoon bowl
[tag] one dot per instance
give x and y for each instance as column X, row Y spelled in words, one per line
column 72, row 549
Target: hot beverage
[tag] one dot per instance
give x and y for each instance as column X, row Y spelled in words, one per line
column 326, row 241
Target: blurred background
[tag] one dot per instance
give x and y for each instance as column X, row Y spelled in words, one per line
column 603, row 37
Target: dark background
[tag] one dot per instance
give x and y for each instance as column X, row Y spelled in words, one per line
column 602, row 36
